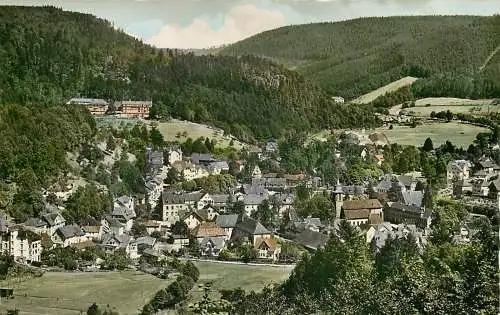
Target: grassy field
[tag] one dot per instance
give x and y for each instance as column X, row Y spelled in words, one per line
column 450, row 101
column 173, row 130
column 391, row 87
column 465, row 109
column 459, row 134
column 229, row 276
column 71, row 293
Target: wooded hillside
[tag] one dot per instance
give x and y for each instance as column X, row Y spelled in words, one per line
column 49, row 55
column 354, row 57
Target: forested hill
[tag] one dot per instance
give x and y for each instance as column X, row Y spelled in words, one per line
column 48, row 55
column 353, row 57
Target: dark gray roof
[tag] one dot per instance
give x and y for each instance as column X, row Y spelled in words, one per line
column 218, row 241
column 254, row 189
column 220, row 198
column 487, row 163
column 50, row 218
column 123, row 239
column 269, row 182
column 35, row 222
column 312, row 239
column 222, row 165
column 405, row 208
column 146, row 240
column 113, row 222
column 413, row 198
column 121, row 210
column 353, row 190
column 251, row 226
column 198, row 158
column 87, row 101
column 227, row 220
column 69, row 231
column 254, row 199
column 405, row 180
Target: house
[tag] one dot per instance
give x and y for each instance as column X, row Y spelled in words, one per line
column 409, row 183
column 271, row 146
column 113, row 242
column 193, row 171
column 387, row 231
column 24, row 245
column 256, row 173
column 220, row 202
column 153, row 226
column 292, row 180
column 202, row 158
column 207, row 229
column 176, row 204
column 96, row 107
column 154, row 187
column 255, row 150
column 134, row 109
column 494, row 189
column 124, row 211
column 268, row 248
column 309, row 223
column 113, row 226
column 179, row 242
column 457, row 170
column 69, row 234
column 174, row 155
column 361, row 212
column 286, row 203
column 194, row 218
column 488, row 166
column 227, row 222
column 211, row 246
column 249, row 230
column 311, row 239
column 218, row 167
column 173, row 204
column 252, row 202
column 47, row 223
column 399, row 212
column 145, row 242
column 271, row 184
column 94, row 229
column 462, row 187
column 155, row 159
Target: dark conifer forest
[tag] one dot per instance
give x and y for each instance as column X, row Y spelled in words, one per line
column 351, row 58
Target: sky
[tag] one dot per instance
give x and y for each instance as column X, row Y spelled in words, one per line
column 211, row 23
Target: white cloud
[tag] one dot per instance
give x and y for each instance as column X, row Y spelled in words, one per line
column 240, row 22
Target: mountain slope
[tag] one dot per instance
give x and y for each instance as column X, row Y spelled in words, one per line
column 49, row 55
column 354, row 57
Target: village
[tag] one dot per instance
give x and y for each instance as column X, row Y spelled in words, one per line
column 224, row 226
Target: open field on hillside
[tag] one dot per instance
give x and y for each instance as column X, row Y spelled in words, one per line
column 71, row 293
column 391, row 87
column 232, row 276
column 459, row 134
column 186, row 129
column 450, row 101
column 465, row 109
